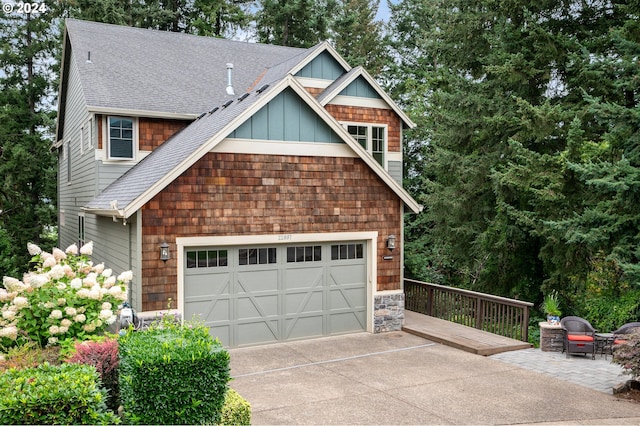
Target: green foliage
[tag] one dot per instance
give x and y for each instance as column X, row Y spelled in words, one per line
column 526, row 152
column 29, row 355
column 608, row 299
column 295, row 23
column 236, row 410
column 551, row 304
column 65, row 394
column 172, row 374
column 65, row 296
column 627, row 354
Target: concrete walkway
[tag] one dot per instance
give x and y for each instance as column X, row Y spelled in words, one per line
column 400, row 378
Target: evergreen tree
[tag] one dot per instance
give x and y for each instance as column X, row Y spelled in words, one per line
column 27, row 165
column 358, row 36
column 529, row 125
column 295, row 23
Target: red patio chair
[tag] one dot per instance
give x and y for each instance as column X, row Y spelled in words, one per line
column 579, row 336
column 619, row 335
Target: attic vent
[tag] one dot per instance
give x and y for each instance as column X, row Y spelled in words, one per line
column 89, row 57
column 214, row 110
column 263, row 88
column 243, row 97
column 230, row 90
column 226, row 104
column 201, row 115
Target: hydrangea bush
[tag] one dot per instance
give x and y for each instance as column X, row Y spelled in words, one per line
column 64, row 296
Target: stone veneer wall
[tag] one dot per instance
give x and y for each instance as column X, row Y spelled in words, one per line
column 551, row 338
column 388, row 313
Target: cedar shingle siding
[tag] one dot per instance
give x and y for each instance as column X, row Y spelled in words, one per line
column 245, row 194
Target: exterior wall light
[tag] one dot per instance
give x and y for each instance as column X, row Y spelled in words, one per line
column 391, row 242
column 164, row 251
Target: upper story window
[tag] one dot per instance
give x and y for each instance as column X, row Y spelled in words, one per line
column 372, row 138
column 121, row 138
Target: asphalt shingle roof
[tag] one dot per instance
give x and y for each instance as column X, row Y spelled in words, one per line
column 148, row 70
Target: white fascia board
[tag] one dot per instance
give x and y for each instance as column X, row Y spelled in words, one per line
column 119, row 214
column 387, row 99
column 324, row 46
column 206, row 147
column 140, row 113
column 269, row 147
column 351, row 142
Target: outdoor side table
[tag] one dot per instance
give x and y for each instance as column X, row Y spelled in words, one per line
column 604, row 344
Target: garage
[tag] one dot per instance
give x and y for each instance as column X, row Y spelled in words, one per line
column 263, row 293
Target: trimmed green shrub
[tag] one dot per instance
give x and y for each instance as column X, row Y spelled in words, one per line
column 64, row 394
column 236, row 410
column 172, row 374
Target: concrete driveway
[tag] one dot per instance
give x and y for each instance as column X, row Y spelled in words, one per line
column 399, row 378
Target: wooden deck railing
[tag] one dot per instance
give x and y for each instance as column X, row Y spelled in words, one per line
column 498, row 315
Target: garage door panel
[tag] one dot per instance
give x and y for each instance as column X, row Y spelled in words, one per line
column 304, row 326
column 304, row 278
column 257, row 281
column 257, row 306
column 347, row 322
column 253, row 333
column 209, row 285
column 345, row 298
column 297, row 303
column 208, row 309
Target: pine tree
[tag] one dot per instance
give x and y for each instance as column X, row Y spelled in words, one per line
column 294, row 23
column 27, row 164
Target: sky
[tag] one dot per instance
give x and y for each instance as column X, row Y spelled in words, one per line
column 383, row 11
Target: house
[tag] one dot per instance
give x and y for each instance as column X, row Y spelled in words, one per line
column 256, row 187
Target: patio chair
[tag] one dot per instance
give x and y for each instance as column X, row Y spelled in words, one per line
column 619, row 335
column 579, row 336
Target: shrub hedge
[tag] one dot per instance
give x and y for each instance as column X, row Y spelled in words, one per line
column 172, row 374
column 47, row 394
column 236, row 410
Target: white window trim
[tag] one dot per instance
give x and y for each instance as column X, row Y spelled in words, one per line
column 90, row 133
column 369, row 147
column 106, row 155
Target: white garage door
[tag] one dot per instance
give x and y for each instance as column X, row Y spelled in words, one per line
column 260, row 294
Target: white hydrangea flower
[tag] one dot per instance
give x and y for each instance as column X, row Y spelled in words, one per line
column 76, row 283
column 59, row 254
column 109, row 282
column 9, row 315
column 83, row 293
column 90, row 280
column 21, row 302
column 72, row 249
column 55, row 314
column 63, row 329
column 61, row 285
column 106, row 305
column 54, row 329
column 49, row 305
column 111, row 319
column 80, row 318
column 61, row 301
column 70, row 311
column 56, row 272
column 10, row 332
column 107, row 273
column 87, row 249
column 52, row 340
column 49, row 262
column 95, row 293
column 105, row 314
column 98, row 268
column 126, row 276
column 38, row 280
column 4, row 295
column 66, row 323
column 68, row 271
column 89, row 328
column 33, row 249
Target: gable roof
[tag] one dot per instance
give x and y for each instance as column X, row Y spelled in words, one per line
column 146, row 179
column 346, row 79
column 151, row 73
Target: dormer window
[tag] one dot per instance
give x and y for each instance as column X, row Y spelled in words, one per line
column 372, row 138
column 121, row 138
